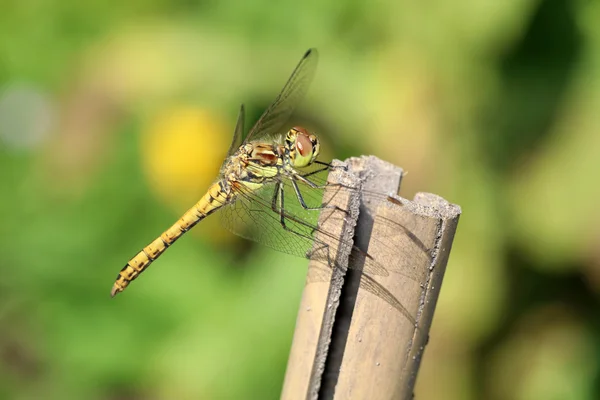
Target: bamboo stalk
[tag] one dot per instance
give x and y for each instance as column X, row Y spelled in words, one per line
column 360, row 336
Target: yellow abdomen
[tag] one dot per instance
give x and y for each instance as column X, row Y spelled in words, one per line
column 210, row 202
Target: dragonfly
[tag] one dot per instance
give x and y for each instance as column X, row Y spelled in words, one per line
column 270, row 190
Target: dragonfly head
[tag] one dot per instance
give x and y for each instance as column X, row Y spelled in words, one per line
column 303, row 147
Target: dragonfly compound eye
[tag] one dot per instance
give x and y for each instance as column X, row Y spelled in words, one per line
column 304, row 145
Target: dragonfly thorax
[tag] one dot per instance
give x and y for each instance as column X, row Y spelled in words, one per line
column 253, row 162
column 301, row 147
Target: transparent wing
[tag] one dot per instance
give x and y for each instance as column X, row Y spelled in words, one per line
column 257, row 215
column 387, row 258
column 270, row 123
column 238, row 134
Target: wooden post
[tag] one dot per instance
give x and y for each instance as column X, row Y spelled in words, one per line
column 360, row 335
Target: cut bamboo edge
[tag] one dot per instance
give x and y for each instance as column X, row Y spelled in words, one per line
column 362, row 336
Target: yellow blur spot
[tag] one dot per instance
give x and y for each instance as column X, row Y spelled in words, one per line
column 182, row 152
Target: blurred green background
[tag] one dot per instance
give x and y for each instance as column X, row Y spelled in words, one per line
column 109, row 110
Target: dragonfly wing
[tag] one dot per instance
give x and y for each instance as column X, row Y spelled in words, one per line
column 292, row 225
column 254, row 215
column 271, row 122
column 257, row 215
column 238, row 134
column 319, row 274
column 391, row 251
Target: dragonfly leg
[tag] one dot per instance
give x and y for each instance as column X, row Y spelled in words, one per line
column 321, row 207
column 326, row 186
column 329, row 165
column 320, row 251
column 274, row 201
column 325, row 168
column 303, row 179
column 301, row 199
column 279, row 194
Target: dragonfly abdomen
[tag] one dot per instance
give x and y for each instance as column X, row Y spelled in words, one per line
column 216, row 197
